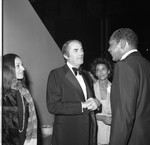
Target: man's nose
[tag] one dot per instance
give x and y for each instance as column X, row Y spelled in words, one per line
column 81, row 53
column 22, row 68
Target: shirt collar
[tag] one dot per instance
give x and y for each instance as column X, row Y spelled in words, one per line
column 70, row 66
column 127, row 53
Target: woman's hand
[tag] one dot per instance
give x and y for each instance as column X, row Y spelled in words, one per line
column 104, row 118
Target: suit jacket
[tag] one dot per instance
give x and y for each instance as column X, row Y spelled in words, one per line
column 72, row 126
column 130, row 100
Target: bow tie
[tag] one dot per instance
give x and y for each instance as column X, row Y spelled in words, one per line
column 76, row 71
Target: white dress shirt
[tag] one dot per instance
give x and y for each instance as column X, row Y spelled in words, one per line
column 80, row 80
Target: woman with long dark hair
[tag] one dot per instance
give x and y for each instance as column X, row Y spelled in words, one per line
column 19, row 121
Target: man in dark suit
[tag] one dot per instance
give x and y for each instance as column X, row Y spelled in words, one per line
column 71, row 98
column 130, row 92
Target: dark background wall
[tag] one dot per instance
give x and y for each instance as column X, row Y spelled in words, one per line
column 93, row 21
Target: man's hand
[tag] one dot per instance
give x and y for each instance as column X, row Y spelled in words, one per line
column 93, row 103
column 86, row 104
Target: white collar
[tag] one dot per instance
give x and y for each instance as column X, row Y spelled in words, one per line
column 127, row 53
column 70, row 66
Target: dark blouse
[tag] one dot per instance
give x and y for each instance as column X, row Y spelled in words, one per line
column 12, row 118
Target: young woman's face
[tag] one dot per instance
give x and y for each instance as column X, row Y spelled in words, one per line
column 102, row 72
column 19, row 69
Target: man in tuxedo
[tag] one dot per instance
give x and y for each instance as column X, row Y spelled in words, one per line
column 130, row 92
column 71, row 98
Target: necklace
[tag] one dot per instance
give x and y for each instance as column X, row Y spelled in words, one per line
column 16, row 85
column 23, row 114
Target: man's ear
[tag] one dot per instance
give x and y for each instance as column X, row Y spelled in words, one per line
column 123, row 43
column 65, row 56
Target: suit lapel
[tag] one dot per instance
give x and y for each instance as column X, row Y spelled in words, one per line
column 89, row 93
column 72, row 79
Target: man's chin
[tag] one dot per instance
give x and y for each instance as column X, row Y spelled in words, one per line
column 114, row 59
column 81, row 62
column 20, row 77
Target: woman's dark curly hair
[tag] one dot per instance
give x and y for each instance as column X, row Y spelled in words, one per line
column 101, row 60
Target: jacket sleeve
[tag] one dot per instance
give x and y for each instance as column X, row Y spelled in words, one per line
column 54, row 97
